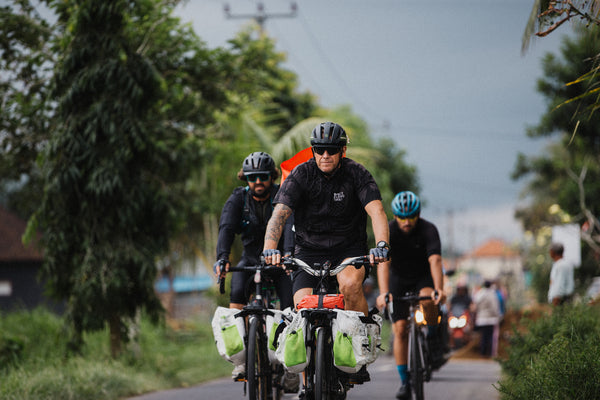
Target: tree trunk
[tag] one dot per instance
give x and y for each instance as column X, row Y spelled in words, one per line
column 115, row 336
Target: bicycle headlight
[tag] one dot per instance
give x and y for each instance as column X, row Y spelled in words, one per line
column 419, row 317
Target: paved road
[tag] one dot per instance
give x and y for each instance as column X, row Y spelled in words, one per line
column 458, row 379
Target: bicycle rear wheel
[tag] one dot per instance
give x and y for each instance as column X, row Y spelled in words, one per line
column 258, row 370
column 416, row 362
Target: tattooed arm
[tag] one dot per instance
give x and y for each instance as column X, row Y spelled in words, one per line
column 281, row 213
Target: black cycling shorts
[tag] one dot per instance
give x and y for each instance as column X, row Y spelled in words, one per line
column 401, row 308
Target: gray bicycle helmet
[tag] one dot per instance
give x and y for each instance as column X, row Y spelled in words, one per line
column 257, row 163
column 328, row 134
column 406, row 205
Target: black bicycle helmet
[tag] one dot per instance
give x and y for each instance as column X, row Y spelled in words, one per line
column 328, row 134
column 406, row 205
column 257, row 163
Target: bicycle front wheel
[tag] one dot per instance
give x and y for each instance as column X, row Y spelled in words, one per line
column 321, row 365
column 416, row 362
column 258, row 371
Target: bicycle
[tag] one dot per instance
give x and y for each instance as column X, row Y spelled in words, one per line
column 264, row 380
column 324, row 381
column 419, row 362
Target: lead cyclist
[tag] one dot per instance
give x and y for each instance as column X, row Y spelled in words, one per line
column 330, row 197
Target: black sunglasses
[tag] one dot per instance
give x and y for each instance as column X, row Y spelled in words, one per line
column 263, row 177
column 331, row 150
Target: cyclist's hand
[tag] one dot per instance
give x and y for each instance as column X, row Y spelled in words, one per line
column 221, row 267
column 272, row 256
column 378, row 254
column 382, row 300
column 438, row 296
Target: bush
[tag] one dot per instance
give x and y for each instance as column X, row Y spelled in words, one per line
column 555, row 357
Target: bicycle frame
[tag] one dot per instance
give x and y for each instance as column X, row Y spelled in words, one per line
column 322, row 378
column 263, row 380
column 419, row 366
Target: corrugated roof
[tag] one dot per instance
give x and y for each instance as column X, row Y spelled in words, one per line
column 493, row 248
column 11, row 246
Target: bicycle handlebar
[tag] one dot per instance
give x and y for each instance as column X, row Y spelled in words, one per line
column 413, row 298
column 254, row 268
column 295, row 263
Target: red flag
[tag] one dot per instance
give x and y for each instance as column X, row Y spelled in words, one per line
column 288, row 165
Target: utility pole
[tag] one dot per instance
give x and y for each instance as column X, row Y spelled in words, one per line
column 261, row 15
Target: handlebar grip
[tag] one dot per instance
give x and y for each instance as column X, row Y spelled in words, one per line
column 221, row 284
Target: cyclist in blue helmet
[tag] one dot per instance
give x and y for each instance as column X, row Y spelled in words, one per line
column 415, row 266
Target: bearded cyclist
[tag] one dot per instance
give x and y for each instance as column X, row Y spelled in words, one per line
column 415, row 266
column 246, row 213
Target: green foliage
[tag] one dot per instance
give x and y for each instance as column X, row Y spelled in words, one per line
column 554, row 357
column 169, row 358
column 568, row 172
column 11, row 348
column 106, row 213
column 577, row 145
column 26, row 59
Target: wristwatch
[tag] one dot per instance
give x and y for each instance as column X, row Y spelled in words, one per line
column 382, row 244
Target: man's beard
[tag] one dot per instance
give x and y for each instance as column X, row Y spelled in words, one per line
column 264, row 195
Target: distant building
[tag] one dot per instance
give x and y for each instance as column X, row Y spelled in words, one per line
column 19, row 268
column 494, row 260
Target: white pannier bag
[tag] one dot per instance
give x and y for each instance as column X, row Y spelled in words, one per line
column 374, row 335
column 229, row 332
column 351, row 347
column 291, row 349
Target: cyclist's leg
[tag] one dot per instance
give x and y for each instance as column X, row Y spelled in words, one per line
column 400, row 329
column 237, row 298
column 283, row 286
column 350, row 281
column 400, row 346
column 434, row 333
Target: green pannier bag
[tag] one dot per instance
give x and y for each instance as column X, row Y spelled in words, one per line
column 229, row 332
column 350, row 341
column 291, row 346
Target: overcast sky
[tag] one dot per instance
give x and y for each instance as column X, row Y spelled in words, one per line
column 446, row 77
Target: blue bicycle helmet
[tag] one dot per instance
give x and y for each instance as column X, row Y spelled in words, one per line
column 406, row 205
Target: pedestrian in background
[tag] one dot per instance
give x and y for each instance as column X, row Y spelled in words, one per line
column 562, row 281
column 487, row 316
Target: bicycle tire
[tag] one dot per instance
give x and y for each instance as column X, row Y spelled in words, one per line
column 278, row 373
column 416, row 363
column 258, row 368
column 321, row 373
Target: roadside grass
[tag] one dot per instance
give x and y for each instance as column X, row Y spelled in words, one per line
column 33, row 364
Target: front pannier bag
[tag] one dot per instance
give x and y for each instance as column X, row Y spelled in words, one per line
column 229, row 332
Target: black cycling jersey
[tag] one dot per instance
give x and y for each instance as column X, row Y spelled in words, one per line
column 329, row 211
column 244, row 215
column 410, row 252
